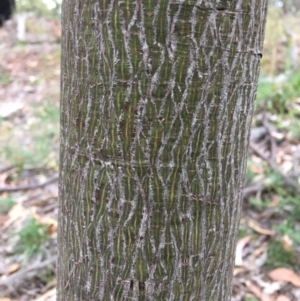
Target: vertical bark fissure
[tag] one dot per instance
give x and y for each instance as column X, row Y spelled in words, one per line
column 156, row 107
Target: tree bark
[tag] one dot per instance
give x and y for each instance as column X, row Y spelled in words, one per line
column 156, row 107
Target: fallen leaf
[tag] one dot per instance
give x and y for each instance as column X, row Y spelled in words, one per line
column 283, row 298
column 287, row 243
column 3, row 178
column 261, row 249
column 239, row 250
column 17, row 212
column 254, row 289
column 9, row 108
column 13, row 268
column 48, row 296
column 50, row 223
column 238, row 271
column 257, row 169
column 256, row 227
column 275, row 201
column 268, row 287
column 260, row 260
column 285, row 275
column 52, row 229
column 3, row 219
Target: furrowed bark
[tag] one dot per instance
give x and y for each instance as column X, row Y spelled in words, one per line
column 156, row 107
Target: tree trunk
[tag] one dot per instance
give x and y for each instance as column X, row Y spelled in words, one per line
column 156, row 108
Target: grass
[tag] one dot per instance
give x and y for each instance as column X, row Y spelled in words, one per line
column 286, row 217
column 280, row 98
column 6, row 204
column 290, row 229
column 277, row 96
column 46, row 275
column 258, row 203
column 250, row 299
column 279, row 257
column 31, row 238
column 41, row 146
column 5, row 78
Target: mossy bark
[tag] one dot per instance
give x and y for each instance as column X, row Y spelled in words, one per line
column 156, row 107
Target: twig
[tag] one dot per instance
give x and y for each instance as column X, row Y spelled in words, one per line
column 271, row 139
column 253, row 189
column 287, row 181
column 27, row 272
column 257, row 133
column 28, row 187
column 295, row 161
column 5, row 169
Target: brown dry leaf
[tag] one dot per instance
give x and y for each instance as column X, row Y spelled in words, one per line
column 285, row 275
column 47, row 221
column 17, row 212
column 254, row 289
column 3, row 219
column 32, row 63
column 256, row 227
column 49, row 285
column 13, row 268
column 52, row 229
column 257, row 169
column 238, row 271
column 239, row 250
column 3, row 178
column 287, row 243
column 56, row 28
column 261, row 249
column 282, row 298
column 48, row 296
column 258, row 256
column 50, row 223
column 265, row 297
column 275, row 201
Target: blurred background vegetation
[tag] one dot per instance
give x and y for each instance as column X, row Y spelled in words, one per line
column 269, row 235
column 46, row 8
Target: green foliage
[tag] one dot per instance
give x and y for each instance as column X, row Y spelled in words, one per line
column 5, row 78
column 273, row 180
column 46, row 275
column 40, row 7
column 250, row 175
column 280, row 44
column 250, row 299
column 278, row 94
column 291, row 229
column 31, row 238
column 258, row 203
column 6, row 204
column 290, row 205
column 244, row 231
column 42, row 148
column 279, row 257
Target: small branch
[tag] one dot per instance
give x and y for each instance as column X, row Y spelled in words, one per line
column 253, row 189
column 5, row 169
column 257, row 133
column 28, row 187
column 287, row 181
column 271, row 139
column 27, row 272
